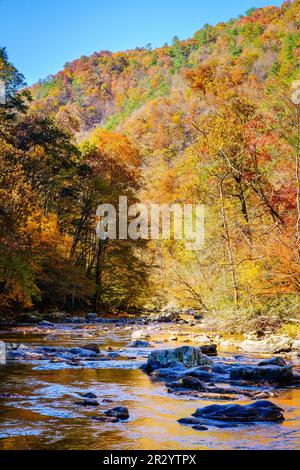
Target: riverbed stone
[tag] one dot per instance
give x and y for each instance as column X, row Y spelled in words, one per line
column 105, row 419
column 140, row 344
column 88, row 395
column 119, row 412
column 94, row 347
column 91, row 316
column 188, row 356
column 188, row 382
column 262, row 410
column 271, row 345
column 2, row 353
column 167, row 315
column 140, row 335
column 275, row 375
column 87, row 403
column 273, row 361
column 209, row 349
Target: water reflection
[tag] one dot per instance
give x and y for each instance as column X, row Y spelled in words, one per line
column 43, row 413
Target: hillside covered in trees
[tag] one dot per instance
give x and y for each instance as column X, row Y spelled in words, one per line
column 208, row 120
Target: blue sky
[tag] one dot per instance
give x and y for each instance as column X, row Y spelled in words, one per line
column 41, row 35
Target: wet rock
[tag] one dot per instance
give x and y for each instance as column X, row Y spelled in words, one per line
column 263, row 395
column 173, row 338
column 140, row 344
column 209, row 349
column 167, row 358
column 94, row 347
column 256, row 412
column 188, row 421
column 220, row 368
column 200, row 427
column 8, row 396
column 87, row 403
column 271, row 345
column 140, row 335
column 119, row 412
column 274, row 361
column 105, row 419
column 46, row 324
column 91, row 317
column 29, row 317
column 107, row 400
column 2, row 353
column 198, row 316
column 89, row 395
column 56, row 316
column 201, row 374
column 81, row 352
column 171, row 373
column 188, row 382
column 256, row 374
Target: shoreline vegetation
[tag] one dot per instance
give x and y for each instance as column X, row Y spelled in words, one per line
column 209, row 120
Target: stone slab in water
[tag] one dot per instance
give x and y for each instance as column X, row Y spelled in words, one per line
column 256, row 374
column 260, row 411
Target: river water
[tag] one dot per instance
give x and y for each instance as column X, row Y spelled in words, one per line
column 44, row 415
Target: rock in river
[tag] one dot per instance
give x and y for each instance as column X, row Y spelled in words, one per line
column 209, row 349
column 272, row 345
column 187, row 356
column 188, row 382
column 89, row 395
column 259, row 411
column 91, row 317
column 87, row 403
column 140, row 335
column 273, row 361
column 94, row 347
column 120, row 412
column 140, row 344
column 257, row 374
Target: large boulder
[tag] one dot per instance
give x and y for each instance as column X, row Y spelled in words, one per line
column 167, row 358
column 271, row 374
column 259, row 411
column 271, row 345
column 165, row 316
column 2, row 353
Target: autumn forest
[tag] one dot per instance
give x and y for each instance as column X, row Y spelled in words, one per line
column 212, row 120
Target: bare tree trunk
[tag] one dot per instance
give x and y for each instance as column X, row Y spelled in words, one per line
column 229, row 243
column 98, row 275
